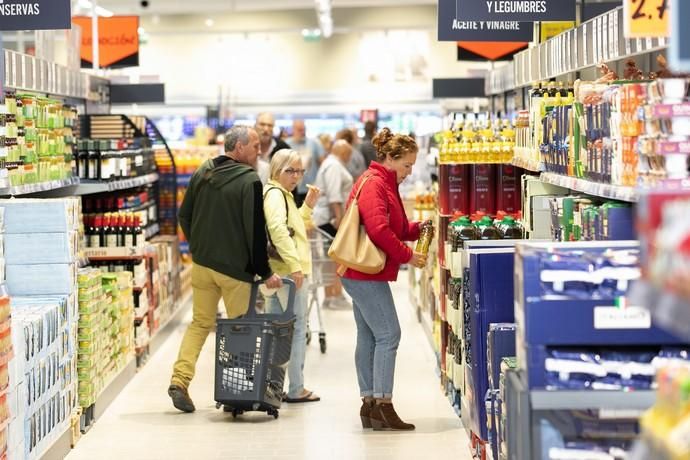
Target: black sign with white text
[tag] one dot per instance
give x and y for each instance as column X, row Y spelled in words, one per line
column 35, row 14
column 453, row 26
column 516, row 10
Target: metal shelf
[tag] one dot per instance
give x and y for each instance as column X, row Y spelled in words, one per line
column 28, row 73
column 90, row 188
column 599, row 39
column 151, row 231
column 529, row 165
column 591, row 399
column 39, row 187
column 613, row 192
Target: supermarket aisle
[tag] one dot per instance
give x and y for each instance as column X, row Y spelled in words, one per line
column 142, row 424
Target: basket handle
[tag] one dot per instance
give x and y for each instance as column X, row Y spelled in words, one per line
column 289, row 311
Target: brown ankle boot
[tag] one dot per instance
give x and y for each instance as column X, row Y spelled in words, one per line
column 384, row 418
column 365, row 412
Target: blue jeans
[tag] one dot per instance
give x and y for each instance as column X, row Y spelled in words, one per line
column 276, row 304
column 378, row 336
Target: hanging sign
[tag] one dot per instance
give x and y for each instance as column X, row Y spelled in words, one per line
column 551, row 29
column 646, row 18
column 516, row 10
column 452, row 28
column 118, row 41
column 35, row 14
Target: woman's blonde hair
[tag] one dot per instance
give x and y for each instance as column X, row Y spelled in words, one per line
column 281, row 161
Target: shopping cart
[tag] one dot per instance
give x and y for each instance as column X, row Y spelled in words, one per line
column 323, row 274
column 252, row 353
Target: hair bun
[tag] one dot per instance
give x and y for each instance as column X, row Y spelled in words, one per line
column 382, row 138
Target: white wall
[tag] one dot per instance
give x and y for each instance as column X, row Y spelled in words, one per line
column 376, row 55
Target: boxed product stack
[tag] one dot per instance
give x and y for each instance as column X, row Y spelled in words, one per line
column 39, row 139
column 41, row 251
column 41, row 245
column 106, row 329
column 167, row 248
column 43, row 379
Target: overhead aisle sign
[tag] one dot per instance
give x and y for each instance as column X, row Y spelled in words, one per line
column 516, row 10
column 452, row 26
column 35, row 14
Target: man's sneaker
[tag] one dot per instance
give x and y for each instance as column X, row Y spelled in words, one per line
column 180, row 398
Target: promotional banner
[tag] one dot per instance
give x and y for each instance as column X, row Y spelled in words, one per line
column 35, row 14
column 118, row 41
column 452, row 28
column 516, row 10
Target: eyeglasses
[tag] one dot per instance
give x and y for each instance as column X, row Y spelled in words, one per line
column 295, row 172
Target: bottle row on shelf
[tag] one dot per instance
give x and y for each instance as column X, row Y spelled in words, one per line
column 114, row 159
column 480, row 141
column 113, row 230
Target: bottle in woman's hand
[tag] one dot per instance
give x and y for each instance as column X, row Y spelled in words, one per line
column 426, row 234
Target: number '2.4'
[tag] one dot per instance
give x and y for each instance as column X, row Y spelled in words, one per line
column 640, row 7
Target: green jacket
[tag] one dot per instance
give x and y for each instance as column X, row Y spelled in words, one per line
column 222, row 217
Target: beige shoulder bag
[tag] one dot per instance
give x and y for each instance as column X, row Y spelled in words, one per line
column 352, row 247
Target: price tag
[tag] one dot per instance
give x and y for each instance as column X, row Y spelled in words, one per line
column 622, row 318
column 646, row 18
column 615, row 44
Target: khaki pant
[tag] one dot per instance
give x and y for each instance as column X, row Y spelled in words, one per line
column 208, row 287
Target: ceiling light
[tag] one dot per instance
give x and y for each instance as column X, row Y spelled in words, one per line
column 141, row 31
column 209, row 22
column 100, row 11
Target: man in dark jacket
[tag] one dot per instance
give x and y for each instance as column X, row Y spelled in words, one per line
column 368, row 149
column 223, row 219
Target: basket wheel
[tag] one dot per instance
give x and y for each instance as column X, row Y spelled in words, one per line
column 235, row 413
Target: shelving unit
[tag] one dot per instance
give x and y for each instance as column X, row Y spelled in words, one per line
column 599, row 39
column 532, row 166
column 582, row 400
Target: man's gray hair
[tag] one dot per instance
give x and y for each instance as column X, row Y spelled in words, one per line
column 236, row 133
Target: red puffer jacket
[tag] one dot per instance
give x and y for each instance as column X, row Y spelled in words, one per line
column 382, row 213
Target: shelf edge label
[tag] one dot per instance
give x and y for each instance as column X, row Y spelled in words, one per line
column 622, row 318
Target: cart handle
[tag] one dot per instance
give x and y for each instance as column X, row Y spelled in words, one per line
column 289, row 311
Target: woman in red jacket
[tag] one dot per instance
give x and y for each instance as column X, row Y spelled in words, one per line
column 378, row 330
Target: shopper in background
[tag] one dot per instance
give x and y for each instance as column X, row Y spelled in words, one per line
column 356, row 165
column 326, row 143
column 378, row 330
column 312, row 155
column 368, row 150
column 222, row 217
column 287, row 231
column 335, row 182
column 265, row 123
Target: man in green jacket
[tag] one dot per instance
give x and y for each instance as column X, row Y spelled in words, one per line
column 223, row 219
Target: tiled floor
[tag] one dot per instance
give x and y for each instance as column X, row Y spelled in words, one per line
column 142, row 424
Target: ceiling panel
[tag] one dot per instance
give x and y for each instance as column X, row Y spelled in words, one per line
column 211, row 6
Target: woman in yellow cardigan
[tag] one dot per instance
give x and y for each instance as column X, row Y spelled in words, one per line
column 287, row 232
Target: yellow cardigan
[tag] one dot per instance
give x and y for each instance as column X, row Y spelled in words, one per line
column 295, row 251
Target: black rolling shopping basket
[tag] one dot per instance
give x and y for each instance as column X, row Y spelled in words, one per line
column 252, row 353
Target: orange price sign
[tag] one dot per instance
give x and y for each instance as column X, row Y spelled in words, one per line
column 646, row 18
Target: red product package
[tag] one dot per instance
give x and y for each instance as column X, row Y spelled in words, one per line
column 483, row 188
column 508, row 188
column 453, row 189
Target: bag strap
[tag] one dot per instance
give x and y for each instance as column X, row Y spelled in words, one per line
column 361, row 186
column 287, row 211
